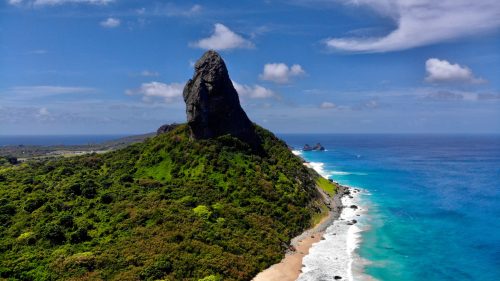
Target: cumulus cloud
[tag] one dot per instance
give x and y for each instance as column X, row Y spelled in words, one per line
column 422, row 22
column 280, row 72
column 327, row 105
column 223, row 38
column 253, row 92
column 444, row 71
column 110, row 23
column 153, row 91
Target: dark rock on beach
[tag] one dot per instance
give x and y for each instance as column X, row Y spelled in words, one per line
column 352, row 222
column 212, row 104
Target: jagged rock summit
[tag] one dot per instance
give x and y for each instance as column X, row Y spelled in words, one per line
column 212, row 104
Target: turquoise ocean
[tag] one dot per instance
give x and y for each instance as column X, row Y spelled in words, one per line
column 432, row 201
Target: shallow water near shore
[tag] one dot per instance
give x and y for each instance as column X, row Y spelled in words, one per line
column 432, row 203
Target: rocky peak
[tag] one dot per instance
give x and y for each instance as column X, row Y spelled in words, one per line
column 212, row 104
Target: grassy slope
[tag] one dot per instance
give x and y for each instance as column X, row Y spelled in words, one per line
column 326, row 186
column 169, row 208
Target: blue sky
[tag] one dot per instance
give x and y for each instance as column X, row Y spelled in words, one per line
column 329, row 66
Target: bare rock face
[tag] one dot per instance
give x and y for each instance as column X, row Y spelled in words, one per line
column 166, row 128
column 212, row 104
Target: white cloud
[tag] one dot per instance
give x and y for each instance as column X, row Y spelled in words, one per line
column 422, row 22
column 371, row 104
column 110, row 23
column 62, row 2
column 151, row 91
column 141, row 11
column 57, row 2
column 43, row 112
column 196, row 8
column 488, row 96
column 444, row 71
column 254, row 92
column 327, row 105
column 223, row 39
column 15, row 2
column 23, row 92
column 444, row 96
column 193, row 11
column 37, row 52
column 174, row 10
column 280, row 72
column 149, row 73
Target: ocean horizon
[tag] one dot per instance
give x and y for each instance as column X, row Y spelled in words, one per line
column 73, row 139
column 431, row 204
column 47, row 140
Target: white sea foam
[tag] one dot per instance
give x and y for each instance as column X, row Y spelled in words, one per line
column 340, row 173
column 336, row 255
column 297, row 152
column 319, row 168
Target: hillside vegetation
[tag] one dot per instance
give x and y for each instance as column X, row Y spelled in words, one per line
column 166, row 209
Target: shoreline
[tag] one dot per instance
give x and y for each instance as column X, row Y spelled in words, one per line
column 335, row 256
column 290, row 267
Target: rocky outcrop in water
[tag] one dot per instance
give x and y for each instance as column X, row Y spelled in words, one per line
column 212, row 104
column 318, row 147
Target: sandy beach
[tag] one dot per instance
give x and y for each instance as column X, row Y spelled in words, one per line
column 290, row 266
column 333, row 256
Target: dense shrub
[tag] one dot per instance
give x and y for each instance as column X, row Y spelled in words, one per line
column 167, row 209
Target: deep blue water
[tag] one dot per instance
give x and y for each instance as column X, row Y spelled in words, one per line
column 56, row 140
column 434, row 208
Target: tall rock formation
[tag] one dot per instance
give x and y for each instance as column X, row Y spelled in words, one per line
column 212, row 104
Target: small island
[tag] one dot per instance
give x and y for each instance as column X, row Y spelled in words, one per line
column 317, row 147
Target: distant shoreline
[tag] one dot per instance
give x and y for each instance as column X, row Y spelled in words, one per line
column 48, row 148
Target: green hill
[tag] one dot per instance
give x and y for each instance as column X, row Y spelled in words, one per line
column 169, row 208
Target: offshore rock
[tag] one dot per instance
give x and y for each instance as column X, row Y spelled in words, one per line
column 212, row 104
column 318, row 146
